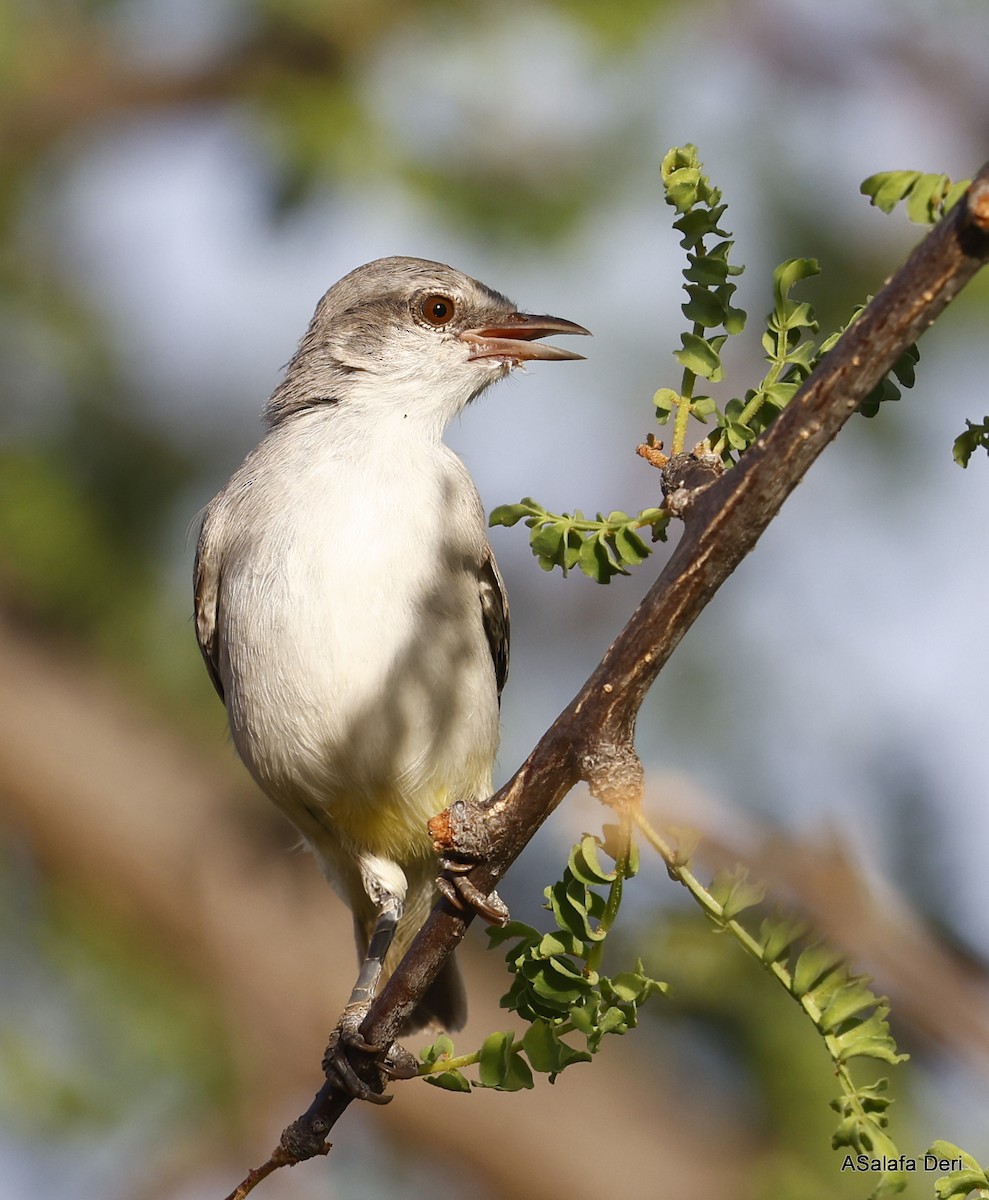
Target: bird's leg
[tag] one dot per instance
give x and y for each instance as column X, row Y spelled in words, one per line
column 460, row 836
column 367, row 978
column 394, row 1061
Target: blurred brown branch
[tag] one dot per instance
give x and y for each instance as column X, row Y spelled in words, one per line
column 70, row 73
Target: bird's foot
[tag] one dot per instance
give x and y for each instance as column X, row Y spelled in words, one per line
column 462, row 894
column 347, row 1041
column 461, row 839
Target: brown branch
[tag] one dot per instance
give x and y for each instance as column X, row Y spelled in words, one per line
column 724, row 516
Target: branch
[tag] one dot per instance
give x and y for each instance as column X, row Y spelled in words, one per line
column 724, row 516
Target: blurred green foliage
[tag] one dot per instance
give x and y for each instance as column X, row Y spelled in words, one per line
column 121, row 1029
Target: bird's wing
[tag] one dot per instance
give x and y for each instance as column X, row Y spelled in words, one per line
column 207, row 580
column 494, row 614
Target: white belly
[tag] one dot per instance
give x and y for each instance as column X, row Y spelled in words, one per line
column 358, row 677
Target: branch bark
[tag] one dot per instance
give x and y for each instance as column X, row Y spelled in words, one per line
column 592, row 739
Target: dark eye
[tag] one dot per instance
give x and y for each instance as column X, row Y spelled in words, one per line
column 437, row 310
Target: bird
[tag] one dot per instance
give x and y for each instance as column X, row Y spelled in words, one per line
column 348, row 605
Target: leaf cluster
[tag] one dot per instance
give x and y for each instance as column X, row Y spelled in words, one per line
column 970, row 1180
column 976, row 436
column 602, row 547
column 707, row 282
column 850, row 1018
column 788, row 341
column 609, row 546
column 927, row 197
column 557, row 986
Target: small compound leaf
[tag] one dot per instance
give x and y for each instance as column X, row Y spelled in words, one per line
column 586, row 864
column 631, row 548
column 511, row 514
column 514, row 929
column 699, row 356
column 704, row 308
column 546, row 1050
column 886, row 189
column 777, row 935
column 450, row 1081
column 789, row 273
column 966, row 1175
column 547, row 542
column 500, row 1066
column 812, row 966
column 666, row 401
column 849, row 1000
column 734, row 893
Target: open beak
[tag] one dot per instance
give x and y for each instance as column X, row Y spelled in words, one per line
column 514, row 339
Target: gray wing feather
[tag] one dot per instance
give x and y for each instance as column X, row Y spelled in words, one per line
column 494, row 614
column 207, row 585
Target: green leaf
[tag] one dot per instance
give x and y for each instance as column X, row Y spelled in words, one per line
column 613, row 1020
column 450, row 1081
column 704, row 307
column 666, row 400
column 928, row 197
column 576, row 909
column 636, row 988
column 735, row 319
column 963, row 1179
column 510, row 514
column 441, row 1048
column 966, row 444
column 870, row 1039
column 955, row 193
column 559, row 942
column 500, row 1065
column 922, row 200
column 789, row 273
column 612, row 841
column 630, row 547
column 514, row 929
column 886, row 189
column 546, row 1050
column 699, row 356
column 706, row 269
column 547, row 542
column 779, row 395
column 594, row 559
column 812, row 966
column 734, row 893
column 847, row 1001
column 585, row 863
column 682, row 188
column 777, row 935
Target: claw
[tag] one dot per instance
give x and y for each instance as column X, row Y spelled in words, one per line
column 398, row 1063
column 463, row 894
column 338, row 1068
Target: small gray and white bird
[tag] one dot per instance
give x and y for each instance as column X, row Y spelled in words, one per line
column 348, row 605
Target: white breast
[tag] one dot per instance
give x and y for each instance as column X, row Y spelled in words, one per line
column 354, row 660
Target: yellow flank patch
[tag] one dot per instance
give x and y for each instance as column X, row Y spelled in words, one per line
column 392, row 824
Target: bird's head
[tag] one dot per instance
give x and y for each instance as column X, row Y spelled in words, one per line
column 404, row 334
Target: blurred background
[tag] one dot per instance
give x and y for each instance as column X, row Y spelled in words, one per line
column 181, row 180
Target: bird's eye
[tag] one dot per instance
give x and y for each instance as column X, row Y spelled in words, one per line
column 437, row 310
